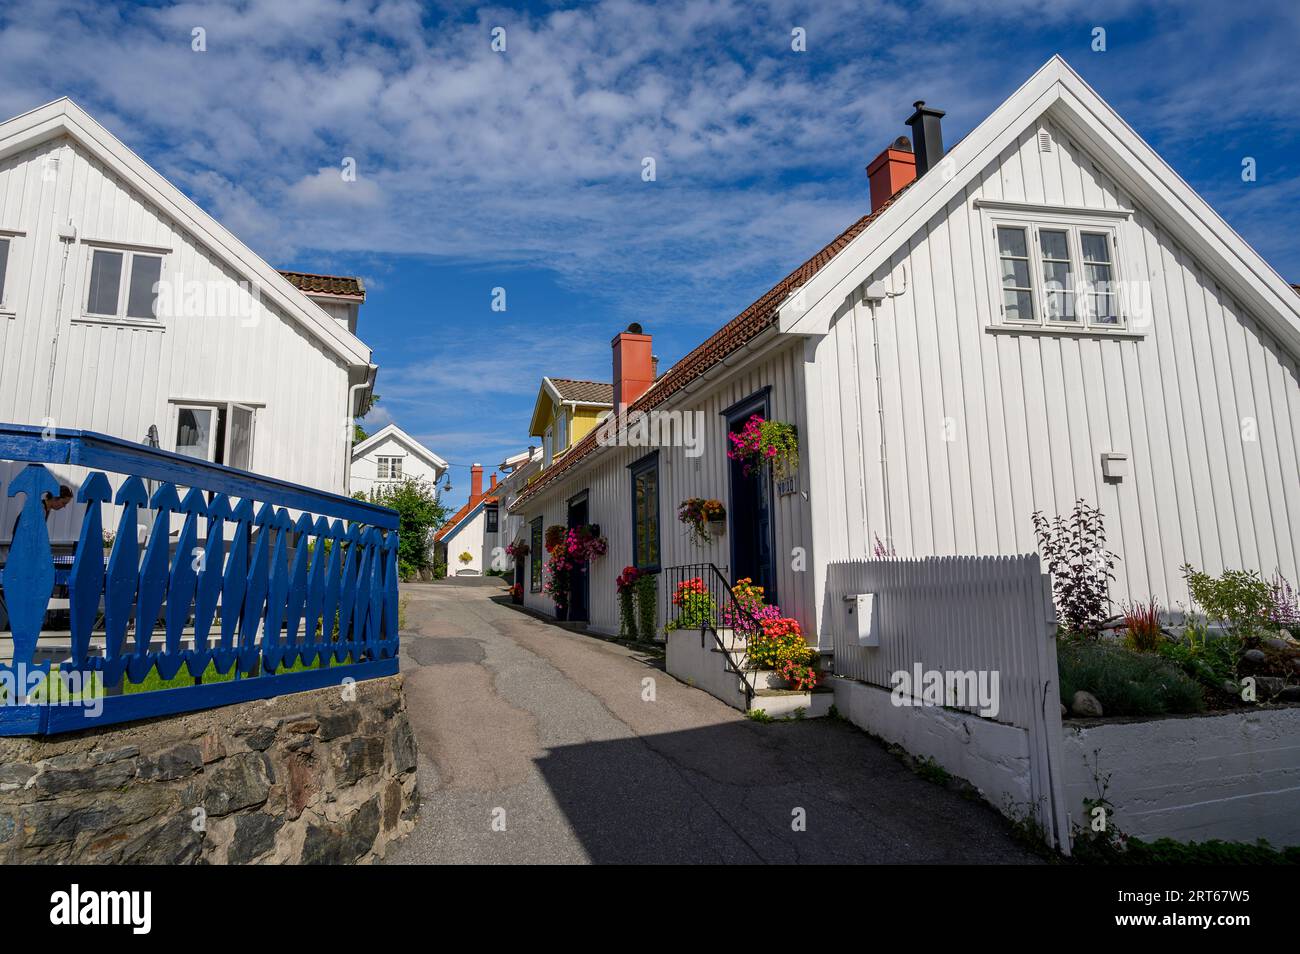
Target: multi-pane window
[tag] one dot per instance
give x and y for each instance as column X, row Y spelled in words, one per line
column 535, row 555
column 123, row 284
column 645, row 512
column 490, row 516
column 221, row 433
column 390, row 468
column 1057, row 275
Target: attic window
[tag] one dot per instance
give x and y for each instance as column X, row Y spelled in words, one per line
column 122, row 284
column 1057, row 274
column 389, row 468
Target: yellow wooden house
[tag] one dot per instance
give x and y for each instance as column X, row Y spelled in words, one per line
column 566, row 410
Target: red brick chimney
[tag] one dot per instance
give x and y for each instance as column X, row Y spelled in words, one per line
column 492, row 483
column 890, row 171
column 475, row 483
column 633, row 365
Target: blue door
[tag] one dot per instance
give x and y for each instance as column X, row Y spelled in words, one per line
column 749, row 512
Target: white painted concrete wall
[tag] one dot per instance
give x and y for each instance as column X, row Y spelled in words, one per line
column 1235, row 776
column 122, row 378
column 991, row 756
column 1030, row 414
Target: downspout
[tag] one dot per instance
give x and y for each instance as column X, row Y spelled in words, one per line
column 67, row 235
column 877, row 293
column 349, row 415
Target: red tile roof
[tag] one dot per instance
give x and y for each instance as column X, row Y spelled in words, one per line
column 584, row 392
column 342, row 286
column 728, row 339
column 460, row 515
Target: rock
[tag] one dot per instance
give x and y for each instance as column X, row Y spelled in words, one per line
column 1289, row 694
column 1281, row 645
column 173, row 842
column 176, row 762
column 341, row 845
column 53, row 822
column 6, row 828
column 1230, row 687
column 14, row 775
column 254, row 836
column 392, row 809
column 1064, row 711
column 115, row 755
column 241, row 781
column 55, row 781
column 302, row 785
column 1270, row 686
column 337, row 724
column 1295, row 664
column 404, row 755
column 211, row 748
column 303, row 725
column 358, row 759
column 1255, row 657
column 260, row 739
column 1085, row 705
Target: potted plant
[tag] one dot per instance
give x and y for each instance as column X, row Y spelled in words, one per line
column 517, row 550
column 625, row 584
column 698, row 513
column 517, row 593
column 571, row 550
column 554, row 534
column 466, row 558
column 762, row 441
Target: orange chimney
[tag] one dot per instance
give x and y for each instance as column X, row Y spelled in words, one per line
column 475, row 483
column 492, row 483
column 633, row 365
column 890, row 171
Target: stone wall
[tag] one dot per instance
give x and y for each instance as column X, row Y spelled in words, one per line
column 311, row 778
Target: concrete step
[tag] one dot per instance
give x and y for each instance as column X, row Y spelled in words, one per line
column 786, row 703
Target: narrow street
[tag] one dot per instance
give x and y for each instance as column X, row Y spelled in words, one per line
column 536, row 746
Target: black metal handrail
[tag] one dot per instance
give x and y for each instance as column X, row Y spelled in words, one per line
column 709, row 604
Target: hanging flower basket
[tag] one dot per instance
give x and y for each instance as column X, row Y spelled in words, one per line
column 762, row 442
column 517, row 550
column 702, row 516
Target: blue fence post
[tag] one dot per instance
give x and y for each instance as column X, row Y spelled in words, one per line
column 29, row 572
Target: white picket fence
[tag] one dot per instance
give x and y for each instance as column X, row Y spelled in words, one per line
column 964, row 614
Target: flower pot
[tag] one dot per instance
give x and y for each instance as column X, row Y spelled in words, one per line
column 717, row 525
column 561, row 612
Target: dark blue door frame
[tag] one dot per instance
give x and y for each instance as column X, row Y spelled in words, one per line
column 579, row 514
column 749, row 507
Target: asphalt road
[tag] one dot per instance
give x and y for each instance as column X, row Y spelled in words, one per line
column 538, row 745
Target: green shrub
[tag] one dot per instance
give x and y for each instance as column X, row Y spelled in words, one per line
column 1208, row 661
column 419, row 513
column 1125, row 683
column 1239, row 598
column 1165, row 851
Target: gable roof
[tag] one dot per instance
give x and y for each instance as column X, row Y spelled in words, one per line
column 726, row 341
column 449, row 528
column 405, row 439
column 63, row 117
column 335, row 286
column 584, row 392
column 1135, row 167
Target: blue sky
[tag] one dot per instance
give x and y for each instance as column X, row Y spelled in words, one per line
column 522, row 169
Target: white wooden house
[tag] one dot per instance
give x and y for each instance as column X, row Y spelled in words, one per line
column 126, row 309
column 1044, row 313
column 389, row 456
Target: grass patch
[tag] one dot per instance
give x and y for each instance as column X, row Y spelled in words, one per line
column 1125, row 683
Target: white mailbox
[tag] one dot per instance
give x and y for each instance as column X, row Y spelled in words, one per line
column 862, row 618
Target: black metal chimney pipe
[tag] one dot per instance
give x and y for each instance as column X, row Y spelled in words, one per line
column 927, row 136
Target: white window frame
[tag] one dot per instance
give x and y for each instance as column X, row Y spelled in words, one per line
column 217, row 406
column 384, row 467
column 128, row 253
column 1074, row 222
column 6, row 293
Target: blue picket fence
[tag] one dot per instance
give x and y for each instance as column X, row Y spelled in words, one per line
column 255, row 577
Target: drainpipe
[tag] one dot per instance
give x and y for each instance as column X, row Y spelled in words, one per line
column 349, row 415
column 876, row 293
column 67, row 235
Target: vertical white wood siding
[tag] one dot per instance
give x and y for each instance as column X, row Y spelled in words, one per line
column 120, row 379
column 1029, row 415
column 605, row 476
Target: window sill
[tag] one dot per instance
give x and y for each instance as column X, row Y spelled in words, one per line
column 1058, row 331
column 152, row 323
column 6, row 313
